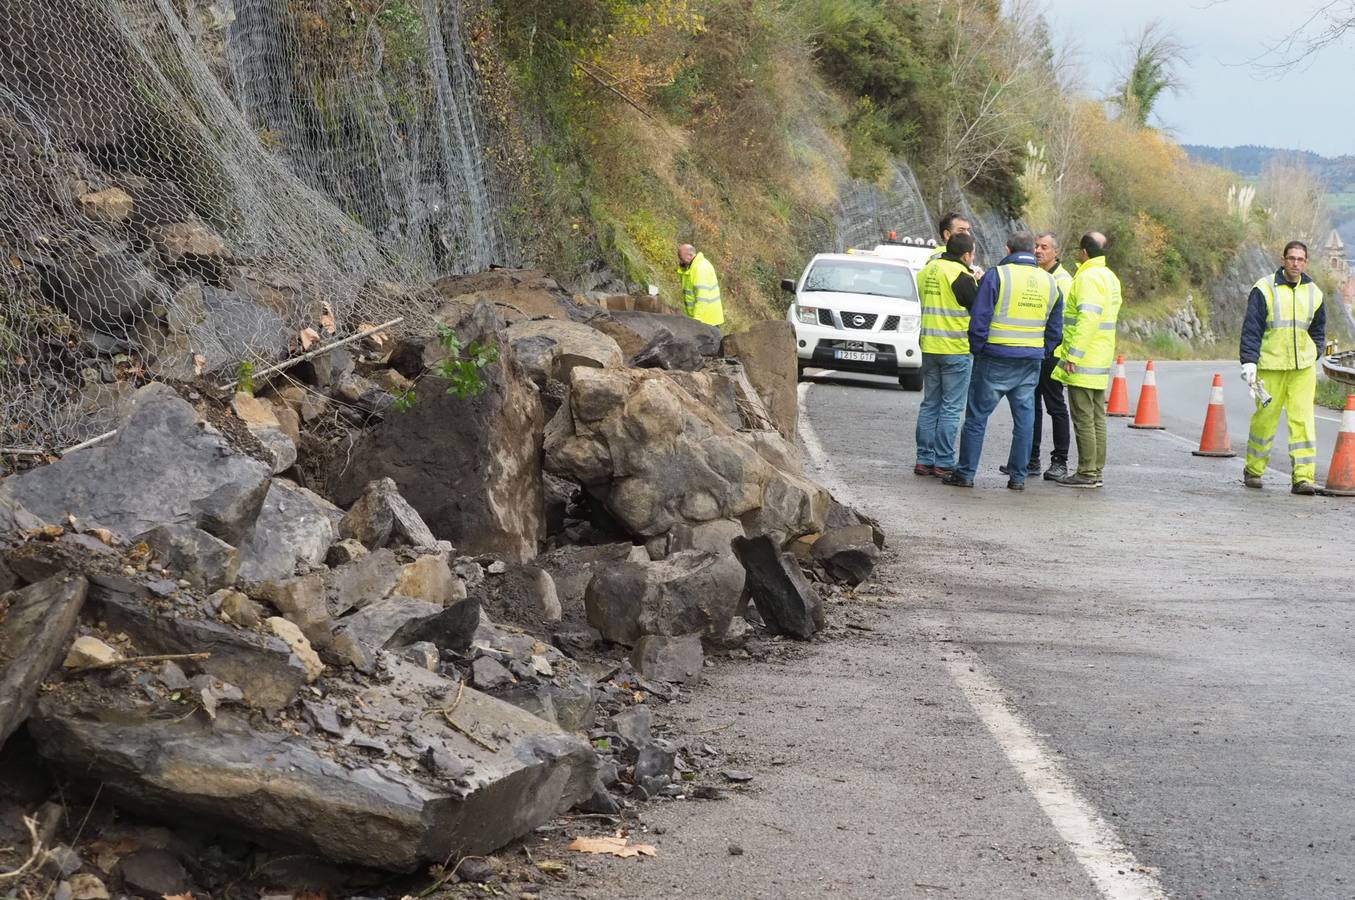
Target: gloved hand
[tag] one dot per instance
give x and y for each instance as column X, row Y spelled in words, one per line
column 1249, row 373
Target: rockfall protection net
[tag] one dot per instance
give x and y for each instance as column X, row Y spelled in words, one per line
column 189, row 185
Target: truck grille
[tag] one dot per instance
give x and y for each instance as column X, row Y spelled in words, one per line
column 891, row 323
column 826, row 318
column 859, row 321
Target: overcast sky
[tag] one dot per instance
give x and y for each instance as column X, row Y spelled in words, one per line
column 1225, row 101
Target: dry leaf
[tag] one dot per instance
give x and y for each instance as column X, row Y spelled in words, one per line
column 327, row 320
column 49, row 532
column 17, row 263
column 614, row 846
column 199, row 363
column 308, row 336
column 105, row 535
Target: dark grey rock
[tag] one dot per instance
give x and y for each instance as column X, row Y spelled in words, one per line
column 489, row 674
column 675, row 659
column 35, row 624
column 397, row 622
column 786, row 601
column 840, row 515
column 368, row 579
column 295, row 526
column 689, row 593
column 381, row 517
column 206, row 561
column 634, row 725
column 572, row 568
column 847, row 554
column 666, row 350
column 154, row 873
column 423, row 654
column 654, row 765
column 568, row 700
column 165, row 465
column 705, row 338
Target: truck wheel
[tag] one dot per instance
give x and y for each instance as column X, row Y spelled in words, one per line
column 911, row 381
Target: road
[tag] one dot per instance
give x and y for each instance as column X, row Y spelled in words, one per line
column 1142, row 691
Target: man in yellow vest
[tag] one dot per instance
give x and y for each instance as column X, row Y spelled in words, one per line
column 1017, row 317
column 1282, row 334
column 1086, row 356
column 947, row 289
column 700, row 287
column 1049, row 396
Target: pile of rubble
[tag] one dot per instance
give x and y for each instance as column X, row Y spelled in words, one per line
column 390, row 634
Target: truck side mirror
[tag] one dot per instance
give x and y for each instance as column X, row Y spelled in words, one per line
column 788, row 285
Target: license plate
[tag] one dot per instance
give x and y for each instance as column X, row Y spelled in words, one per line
column 854, row 355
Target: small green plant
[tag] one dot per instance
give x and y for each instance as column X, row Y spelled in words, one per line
column 244, row 377
column 460, row 369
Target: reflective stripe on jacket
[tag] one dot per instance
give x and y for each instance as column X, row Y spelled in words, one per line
column 1290, row 310
column 701, row 291
column 1089, row 318
column 1026, row 297
column 945, row 323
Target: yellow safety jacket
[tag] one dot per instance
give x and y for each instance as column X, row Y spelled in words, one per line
column 1286, row 343
column 1064, row 279
column 1089, row 317
column 701, row 291
column 1026, row 297
column 945, row 323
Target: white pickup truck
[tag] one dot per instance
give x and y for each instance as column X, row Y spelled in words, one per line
column 859, row 311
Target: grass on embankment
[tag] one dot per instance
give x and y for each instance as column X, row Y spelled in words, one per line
column 1332, row 394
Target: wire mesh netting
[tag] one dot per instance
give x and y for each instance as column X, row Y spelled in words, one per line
column 189, row 185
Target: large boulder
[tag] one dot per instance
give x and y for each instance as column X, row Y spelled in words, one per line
column 381, row 517
column 649, row 325
column 574, row 345
column 847, row 554
column 442, row 796
column 656, row 458
column 295, row 526
column 206, row 561
column 767, row 351
column 784, row 598
column 35, row 624
column 165, row 465
column 470, row 466
column 689, row 593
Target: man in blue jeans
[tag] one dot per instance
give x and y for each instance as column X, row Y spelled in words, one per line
column 947, row 289
column 1016, row 319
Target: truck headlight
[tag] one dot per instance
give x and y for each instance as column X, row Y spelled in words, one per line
column 909, row 323
column 807, row 315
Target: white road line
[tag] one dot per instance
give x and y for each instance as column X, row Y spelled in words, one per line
column 1112, row 867
column 1094, row 843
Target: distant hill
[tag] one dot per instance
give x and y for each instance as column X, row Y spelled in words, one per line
column 1249, row 161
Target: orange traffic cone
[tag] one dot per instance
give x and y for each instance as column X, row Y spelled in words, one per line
column 1214, row 439
column 1341, row 473
column 1147, row 415
column 1118, row 405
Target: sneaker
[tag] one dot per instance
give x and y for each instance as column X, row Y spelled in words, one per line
column 1016, row 485
column 1078, row 481
column 954, row 479
column 1306, row 488
column 920, row 469
column 1250, row 480
column 940, row 472
column 1055, row 471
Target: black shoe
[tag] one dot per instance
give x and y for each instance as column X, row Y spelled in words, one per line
column 954, row 479
column 1306, row 488
column 1016, row 485
column 1078, row 481
column 1055, row 471
column 1033, row 467
column 1250, row 480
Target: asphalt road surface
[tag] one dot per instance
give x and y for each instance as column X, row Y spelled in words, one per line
column 1142, row 691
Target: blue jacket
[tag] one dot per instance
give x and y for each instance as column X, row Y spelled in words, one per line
column 981, row 317
column 1254, row 325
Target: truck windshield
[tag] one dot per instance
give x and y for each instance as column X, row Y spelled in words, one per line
column 853, row 276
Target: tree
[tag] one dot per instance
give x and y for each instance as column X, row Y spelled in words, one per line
column 1155, row 57
column 1327, row 25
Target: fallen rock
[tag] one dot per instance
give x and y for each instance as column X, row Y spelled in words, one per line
column 841, row 515
column 657, row 458
column 522, row 595
column 239, row 609
column 430, row 578
column 847, row 554
column 688, row 593
column 767, row 351
column 365, row 580
column 786, row 601
column 112, row 206
column 574, row 345
column 35, row 624
column 705, row 338
column 676, row 659
column 301, row 648
column 397, row 622
column 263, row 667
column 344, row 552
column 263, row 423
column 87, row 652
column 274, row 786
column 154, row 873
column 488, row 674
column 207, row 562
column 295, row 526
column 165, row 465
column 303, row 602
column 470, row 466
column 572, row 568
column 88, row 887
column 666, row 350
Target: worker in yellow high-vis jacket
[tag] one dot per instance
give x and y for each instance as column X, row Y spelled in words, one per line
column 700, row 287
column 1282, row 334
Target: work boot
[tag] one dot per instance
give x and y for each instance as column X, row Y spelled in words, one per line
column 1251, row 481
column 920, row 469
column 1016, row 485
column 1078, row 481
column 940, row 472
column 954, row 479
column 1306, row 488
column 1055, row 471
column 1033, row 467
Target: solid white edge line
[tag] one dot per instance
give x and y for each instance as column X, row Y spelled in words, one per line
column 1092, row 841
